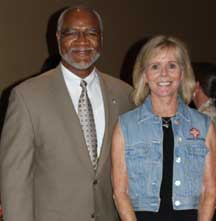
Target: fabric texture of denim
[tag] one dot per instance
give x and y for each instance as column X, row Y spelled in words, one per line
column 143, row 136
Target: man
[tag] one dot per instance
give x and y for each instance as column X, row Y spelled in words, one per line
column 48, row 167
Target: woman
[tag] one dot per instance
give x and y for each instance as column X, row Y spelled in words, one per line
column 204, row 96
column 163, row 151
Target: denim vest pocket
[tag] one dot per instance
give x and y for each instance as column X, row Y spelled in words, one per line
column 195, row 153
column 140, row 159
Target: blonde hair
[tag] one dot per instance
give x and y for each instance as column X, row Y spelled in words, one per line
column 150, row 49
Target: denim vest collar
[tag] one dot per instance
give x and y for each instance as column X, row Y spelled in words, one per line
column 146, row 112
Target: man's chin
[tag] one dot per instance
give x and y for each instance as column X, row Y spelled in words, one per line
column 82, row 65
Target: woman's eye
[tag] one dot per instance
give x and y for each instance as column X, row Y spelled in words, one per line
column 172, row 66
column 155, row 67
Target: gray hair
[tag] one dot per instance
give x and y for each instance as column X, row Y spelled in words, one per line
column 61, row 17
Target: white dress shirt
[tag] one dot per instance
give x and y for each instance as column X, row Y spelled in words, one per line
column 95, row 95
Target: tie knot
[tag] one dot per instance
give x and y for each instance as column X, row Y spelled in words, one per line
column 83, row 84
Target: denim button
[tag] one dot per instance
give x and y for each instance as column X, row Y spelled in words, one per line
column 180, row 139
column 177, row 182
column 177, row 122
column 177, row 203
column 178, row 159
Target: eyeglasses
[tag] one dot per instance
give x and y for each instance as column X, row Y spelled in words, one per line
column 72, row 34
column 170, row 67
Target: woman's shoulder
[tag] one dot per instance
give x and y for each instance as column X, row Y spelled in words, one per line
column 130, row 118
column 199, row 119
column 131, row 114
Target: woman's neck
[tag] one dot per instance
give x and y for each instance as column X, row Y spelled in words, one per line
column 164, row 106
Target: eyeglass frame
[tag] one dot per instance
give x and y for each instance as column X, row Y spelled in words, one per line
column 73, row 33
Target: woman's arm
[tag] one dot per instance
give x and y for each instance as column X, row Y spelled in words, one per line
column 120, row 178
column 208, row 195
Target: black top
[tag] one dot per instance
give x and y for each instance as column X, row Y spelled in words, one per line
column 166, row 211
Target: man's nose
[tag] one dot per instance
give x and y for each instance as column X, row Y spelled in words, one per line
column 81, row 36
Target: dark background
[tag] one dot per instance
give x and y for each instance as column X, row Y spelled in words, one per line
column 26, row 25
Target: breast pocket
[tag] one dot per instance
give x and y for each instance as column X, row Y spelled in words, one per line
column 196, row 153
column 140, row 157
column 143, row 165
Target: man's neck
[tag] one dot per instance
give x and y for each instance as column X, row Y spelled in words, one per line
column 79, row 73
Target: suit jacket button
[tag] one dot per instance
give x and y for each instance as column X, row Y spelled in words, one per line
column 92, row 215
column 95, row 182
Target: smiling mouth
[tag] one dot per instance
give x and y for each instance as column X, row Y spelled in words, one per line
column 82, row 50
column 164, row 83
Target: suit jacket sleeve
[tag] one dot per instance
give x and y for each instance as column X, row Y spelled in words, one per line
column 16, row 155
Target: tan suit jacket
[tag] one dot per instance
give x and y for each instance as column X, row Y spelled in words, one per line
column 46, row 172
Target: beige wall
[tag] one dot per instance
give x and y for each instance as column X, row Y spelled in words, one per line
column 23, row 46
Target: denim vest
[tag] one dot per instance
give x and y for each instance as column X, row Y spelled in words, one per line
column 143, row 135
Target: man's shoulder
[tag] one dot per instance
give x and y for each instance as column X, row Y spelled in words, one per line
column 115, row 83
column 119, row 90
column 38, row 82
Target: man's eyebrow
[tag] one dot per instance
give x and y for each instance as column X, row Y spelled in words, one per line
column 78, row 28
column 68, row 29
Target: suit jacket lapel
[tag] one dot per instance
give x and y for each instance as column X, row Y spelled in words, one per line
column 68, row 114
column 111, row 111
column 71, row 121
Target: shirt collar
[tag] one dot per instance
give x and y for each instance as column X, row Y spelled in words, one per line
column 76, row 79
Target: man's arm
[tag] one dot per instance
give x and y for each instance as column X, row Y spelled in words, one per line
column 120, row 178
column 16, row 162
column 208, row 195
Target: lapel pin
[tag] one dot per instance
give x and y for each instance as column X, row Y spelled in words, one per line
column 114, row 101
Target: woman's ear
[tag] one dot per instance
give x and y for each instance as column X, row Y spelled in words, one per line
column 145, row 79
column 182, row 75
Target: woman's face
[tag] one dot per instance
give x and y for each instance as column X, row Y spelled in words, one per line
column 163, row 73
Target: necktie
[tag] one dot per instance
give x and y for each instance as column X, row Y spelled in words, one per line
column 87, row 122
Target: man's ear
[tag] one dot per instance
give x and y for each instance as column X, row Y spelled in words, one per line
column 58, row 36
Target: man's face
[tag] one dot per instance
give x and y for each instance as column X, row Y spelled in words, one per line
column 79, row 40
